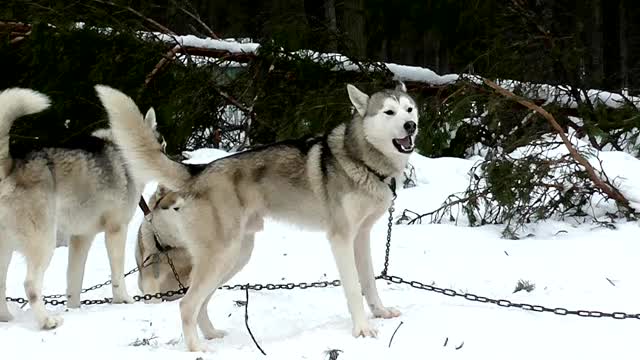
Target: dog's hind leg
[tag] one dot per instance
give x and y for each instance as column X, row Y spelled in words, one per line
column 5, row 259
column 116, row 238
column 209, row 270
column 365, row 272
column 204, row 322
column 342, row 245
column 38, row 252
column 78, row 250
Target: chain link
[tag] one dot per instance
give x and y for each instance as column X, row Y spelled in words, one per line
column 387, row 251
column 509, row 304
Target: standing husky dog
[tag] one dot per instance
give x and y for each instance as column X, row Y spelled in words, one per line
column 73, row 192
column 336, row 183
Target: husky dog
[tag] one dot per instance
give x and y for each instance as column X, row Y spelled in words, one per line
column 337, row 183
column 160, row 235
column 61, row 192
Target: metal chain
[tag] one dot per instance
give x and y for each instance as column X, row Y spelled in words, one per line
column 389, row 225
column 508, row 303
column 94, row 287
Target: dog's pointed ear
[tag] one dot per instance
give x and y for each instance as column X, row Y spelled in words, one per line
column 150, row 118
column 401, row 86
column 358, row 99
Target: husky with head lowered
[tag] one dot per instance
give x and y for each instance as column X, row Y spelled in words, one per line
column 159, row 242
column 73, row 192
column 337, row 183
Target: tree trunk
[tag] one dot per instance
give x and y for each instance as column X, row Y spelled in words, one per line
column 332, row 24
column 596, row 63
column 354, row 26
column 624, row 46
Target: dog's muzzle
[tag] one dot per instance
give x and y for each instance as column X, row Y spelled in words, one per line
column 405, row 145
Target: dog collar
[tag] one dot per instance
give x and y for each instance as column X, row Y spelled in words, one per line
column 392, row 182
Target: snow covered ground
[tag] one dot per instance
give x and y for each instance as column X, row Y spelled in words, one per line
column 576, row 267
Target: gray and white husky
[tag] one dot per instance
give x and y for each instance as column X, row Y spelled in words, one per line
column 73, row 192
column 160, row 235
column 337, row 183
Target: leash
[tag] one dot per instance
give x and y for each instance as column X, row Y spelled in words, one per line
column 162, row 249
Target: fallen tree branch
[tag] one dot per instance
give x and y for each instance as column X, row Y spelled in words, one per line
column 169, row 56
column 608, row 189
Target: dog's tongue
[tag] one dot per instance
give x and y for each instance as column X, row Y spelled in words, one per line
column 405, row 142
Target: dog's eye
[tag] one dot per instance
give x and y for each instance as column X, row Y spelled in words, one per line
column 409, row 110
column 389, row 112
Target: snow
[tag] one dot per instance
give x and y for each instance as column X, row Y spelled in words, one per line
column 572, row 266
column 560, row 94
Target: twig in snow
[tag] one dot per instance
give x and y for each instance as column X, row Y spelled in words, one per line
column 394, row 333
column 446, row 341
column 143, row 342
column 333, row 353
column 610, row 282
column 460, row 346
column 524, row 285
column 246, row 319
column 506, row 253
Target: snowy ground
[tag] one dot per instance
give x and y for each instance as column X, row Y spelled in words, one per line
column 576, row 267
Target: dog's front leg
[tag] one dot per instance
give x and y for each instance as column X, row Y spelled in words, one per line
column 115, row 241
column 78, row 250
column 5, row 259
column 366, row 275
column 342, row 245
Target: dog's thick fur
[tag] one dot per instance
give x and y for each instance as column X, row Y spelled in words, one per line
column 336, row 183
column 155, row 273
column 75, row 193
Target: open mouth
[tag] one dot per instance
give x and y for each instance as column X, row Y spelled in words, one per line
column 404, row 145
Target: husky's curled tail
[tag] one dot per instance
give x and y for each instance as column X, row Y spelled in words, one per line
column 137, row 141
column 15, row 103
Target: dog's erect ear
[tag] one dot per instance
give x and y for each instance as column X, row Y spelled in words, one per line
column 150, row 118
column 358, row 99
column 401, row 86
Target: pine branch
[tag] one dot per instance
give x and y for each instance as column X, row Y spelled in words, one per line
column 608, row 189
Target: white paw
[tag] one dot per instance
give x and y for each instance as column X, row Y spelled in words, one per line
column 197, row 346
column 5, row 316
column 365, row 330
column 51, row 322
column 122, row 299
column 386, row 312
column 214, row 334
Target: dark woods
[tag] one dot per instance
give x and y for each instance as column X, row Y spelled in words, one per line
column 237, row 100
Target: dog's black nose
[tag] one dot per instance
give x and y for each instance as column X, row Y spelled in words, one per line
column 410, row 126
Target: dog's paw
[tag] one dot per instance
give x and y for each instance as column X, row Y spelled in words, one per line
column 386, row 312
column 5, row 316
column 197, row 347
column 122, row 299
column 214, row 334
column 365, row 330
column 51, row 322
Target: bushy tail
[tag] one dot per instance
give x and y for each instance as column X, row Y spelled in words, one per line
column 137, row 141
column 14, row 103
